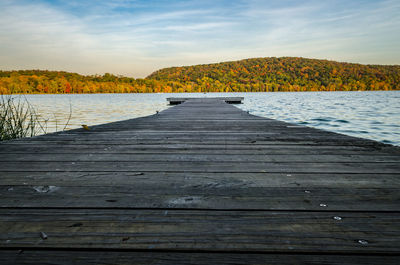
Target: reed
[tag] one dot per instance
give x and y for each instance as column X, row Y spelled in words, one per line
column 18, row 118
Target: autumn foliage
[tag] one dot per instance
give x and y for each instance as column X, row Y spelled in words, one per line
column 250, row 75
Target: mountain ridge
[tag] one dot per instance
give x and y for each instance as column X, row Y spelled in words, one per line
column 286, row 72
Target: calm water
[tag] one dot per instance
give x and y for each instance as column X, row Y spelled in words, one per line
column 373, row 115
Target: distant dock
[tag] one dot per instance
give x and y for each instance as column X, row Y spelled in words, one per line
column 229, row 100
column 199, row 183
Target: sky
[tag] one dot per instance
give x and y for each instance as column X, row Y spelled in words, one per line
column 136, row 37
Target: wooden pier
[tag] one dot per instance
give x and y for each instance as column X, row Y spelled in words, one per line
column 229, row 100
column 199, row 183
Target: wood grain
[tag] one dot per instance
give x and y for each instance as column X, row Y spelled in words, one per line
column 199, row 183
column 231, row 231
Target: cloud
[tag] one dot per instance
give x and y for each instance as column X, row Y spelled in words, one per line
column 136, row 37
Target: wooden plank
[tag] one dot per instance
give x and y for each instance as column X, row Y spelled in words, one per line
column 202, row 230
column 270, row 136
column 280, row 140
column 265, row 167
column 103, row 257
column 194, row 148
column 154, row 133
column 182, row 180
column 163, row 157
column 201, row 197
column 251, row 144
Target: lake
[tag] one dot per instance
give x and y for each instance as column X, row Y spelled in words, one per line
column 373, row 115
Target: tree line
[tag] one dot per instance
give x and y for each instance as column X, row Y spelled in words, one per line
column 250, row 75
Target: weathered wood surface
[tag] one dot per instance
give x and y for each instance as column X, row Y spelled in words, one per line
column 199, row 183
column 102, row 257
column 230, row 231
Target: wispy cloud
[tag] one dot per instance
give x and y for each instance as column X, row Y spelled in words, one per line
column 137, row 37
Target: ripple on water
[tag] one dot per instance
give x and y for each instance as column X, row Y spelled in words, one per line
column 372, row 115
column 322, row 119
column 342, row 121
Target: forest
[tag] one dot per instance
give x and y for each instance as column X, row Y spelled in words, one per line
column 249, row 75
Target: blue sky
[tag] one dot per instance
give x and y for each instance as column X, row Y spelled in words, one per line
column 135, row 37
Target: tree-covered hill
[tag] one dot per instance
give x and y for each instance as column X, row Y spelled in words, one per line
column 284, row 74
column 57, row 82
column 260, row 74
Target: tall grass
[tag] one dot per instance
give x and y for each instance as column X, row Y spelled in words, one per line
column 18, row 118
